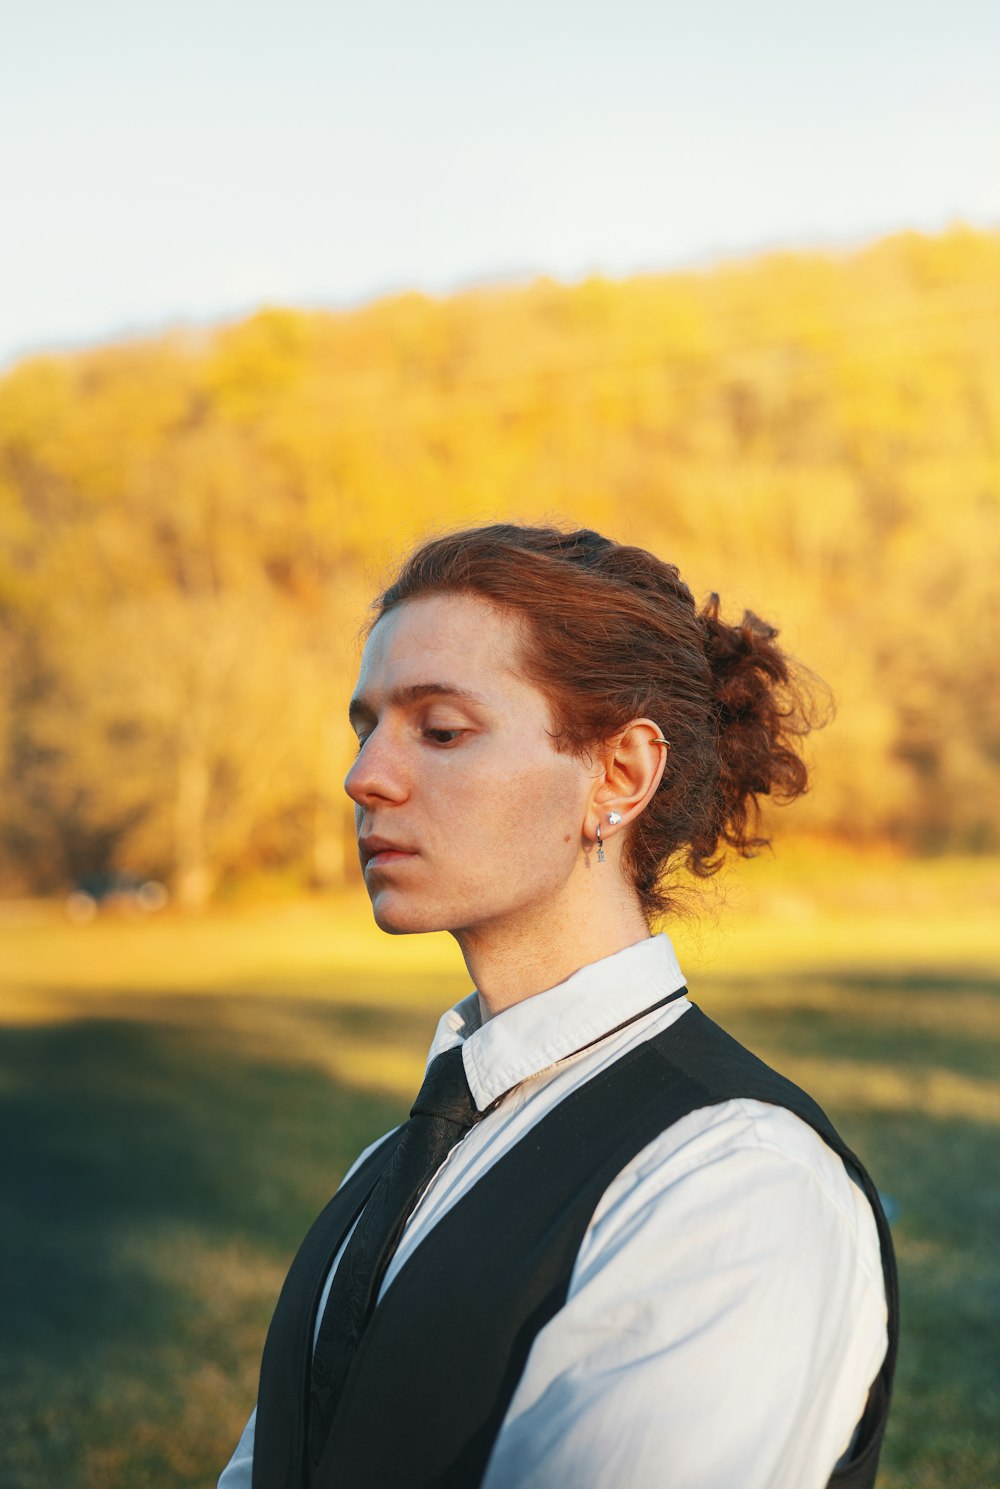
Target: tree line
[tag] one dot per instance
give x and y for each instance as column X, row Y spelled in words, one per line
column 191, row 527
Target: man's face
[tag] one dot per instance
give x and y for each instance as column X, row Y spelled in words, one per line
column 478, row 817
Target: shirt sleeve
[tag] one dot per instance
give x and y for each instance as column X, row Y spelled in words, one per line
column 725, row 1319
column 238, row 1472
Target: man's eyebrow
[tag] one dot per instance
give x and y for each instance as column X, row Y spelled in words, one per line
column 360, row 708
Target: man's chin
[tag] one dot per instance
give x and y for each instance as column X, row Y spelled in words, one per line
column 402, row 920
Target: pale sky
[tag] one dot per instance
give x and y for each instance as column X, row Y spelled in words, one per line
column 164, row 162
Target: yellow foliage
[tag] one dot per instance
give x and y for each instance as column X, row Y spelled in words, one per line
column 815, row 436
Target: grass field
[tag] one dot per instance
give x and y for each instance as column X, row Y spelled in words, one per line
column 180, row 1097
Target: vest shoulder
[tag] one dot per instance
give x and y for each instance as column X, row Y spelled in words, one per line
column 717, row 1069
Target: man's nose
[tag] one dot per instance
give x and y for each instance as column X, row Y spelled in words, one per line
column 378, row 773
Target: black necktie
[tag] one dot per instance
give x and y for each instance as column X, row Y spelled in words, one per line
column 442, row 1114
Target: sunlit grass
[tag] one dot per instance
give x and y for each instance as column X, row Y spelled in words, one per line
column 807, row 908
column 179, row 1098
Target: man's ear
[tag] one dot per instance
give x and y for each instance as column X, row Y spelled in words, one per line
column 633, row 763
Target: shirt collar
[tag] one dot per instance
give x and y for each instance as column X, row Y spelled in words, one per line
column 530, row 1036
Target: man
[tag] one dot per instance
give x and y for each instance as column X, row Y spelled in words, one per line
column 609, row 1248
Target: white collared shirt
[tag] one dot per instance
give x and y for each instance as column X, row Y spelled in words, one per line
column 726, row 1313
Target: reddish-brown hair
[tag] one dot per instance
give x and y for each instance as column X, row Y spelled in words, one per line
column 612, row 633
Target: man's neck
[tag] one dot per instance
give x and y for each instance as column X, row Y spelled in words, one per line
column 516, row 959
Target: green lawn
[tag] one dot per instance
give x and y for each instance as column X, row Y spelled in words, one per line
column 179, row 1099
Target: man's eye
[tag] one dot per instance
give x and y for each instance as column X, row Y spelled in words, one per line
column 443, row 736
column 362, row 741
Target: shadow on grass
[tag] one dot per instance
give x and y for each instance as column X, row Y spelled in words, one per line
column 159, row 1171
column 121, row 1138
column 878, row 1017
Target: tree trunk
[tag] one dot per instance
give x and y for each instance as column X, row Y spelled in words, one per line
column 329, row 845
column 193, row 877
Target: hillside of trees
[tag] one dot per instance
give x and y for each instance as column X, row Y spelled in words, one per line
column 191, row 527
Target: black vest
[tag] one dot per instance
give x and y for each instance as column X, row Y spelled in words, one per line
column 447, row 1344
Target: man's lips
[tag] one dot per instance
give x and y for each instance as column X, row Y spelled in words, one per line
column 381, row 851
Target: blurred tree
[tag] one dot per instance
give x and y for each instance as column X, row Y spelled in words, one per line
column 190, row 529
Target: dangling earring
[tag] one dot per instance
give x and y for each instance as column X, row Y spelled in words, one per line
column 600, row 845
